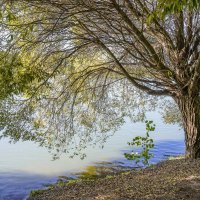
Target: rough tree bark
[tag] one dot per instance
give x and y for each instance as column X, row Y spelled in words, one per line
column 190, row 110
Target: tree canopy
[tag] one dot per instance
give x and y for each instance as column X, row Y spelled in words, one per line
column 92, row 56
column 165, row 7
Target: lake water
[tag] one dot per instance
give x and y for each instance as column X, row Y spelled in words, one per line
column 24, row 166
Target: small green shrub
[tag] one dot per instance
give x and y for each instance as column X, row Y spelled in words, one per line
column 145, row 142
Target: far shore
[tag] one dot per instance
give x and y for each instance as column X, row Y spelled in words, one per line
column 171, row 180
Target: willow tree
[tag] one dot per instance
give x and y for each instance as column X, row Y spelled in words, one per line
column 165, row 7
column 160, row 57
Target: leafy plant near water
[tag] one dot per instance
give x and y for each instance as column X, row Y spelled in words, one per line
column 145, row 142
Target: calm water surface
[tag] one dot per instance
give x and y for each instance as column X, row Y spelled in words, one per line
column 25, row 166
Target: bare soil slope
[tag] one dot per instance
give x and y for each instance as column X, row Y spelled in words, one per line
column 170, row 180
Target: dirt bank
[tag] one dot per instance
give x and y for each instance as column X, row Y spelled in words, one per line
column 172, row 179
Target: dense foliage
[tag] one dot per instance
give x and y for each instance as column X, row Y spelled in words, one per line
column 89, row 64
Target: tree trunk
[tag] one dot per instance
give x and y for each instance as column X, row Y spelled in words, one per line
column 190, row 110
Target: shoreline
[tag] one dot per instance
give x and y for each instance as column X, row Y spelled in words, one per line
column 170, row 179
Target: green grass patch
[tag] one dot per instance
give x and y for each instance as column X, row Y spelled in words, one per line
column 64, row 182
column 71, row 182
column 51, row 186
column 176, row 157
column 36, row 192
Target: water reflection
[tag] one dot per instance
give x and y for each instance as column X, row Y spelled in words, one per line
column 161, row 152
column 25, row 166
column 17, row 186
column 107, row 169
column 102, row 169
